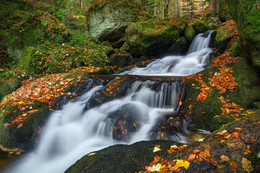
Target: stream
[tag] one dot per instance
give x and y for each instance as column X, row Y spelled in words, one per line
column 73, row 132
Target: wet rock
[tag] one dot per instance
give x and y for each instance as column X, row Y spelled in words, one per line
column 120, row 60
column 125, row 121
column 168, row 127
column 180, row 47
column 76, row 89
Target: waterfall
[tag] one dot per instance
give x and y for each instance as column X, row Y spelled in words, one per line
column 195, row 61
column 72, row 132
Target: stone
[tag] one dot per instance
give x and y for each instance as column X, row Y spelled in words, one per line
column 246, row 14
column 154, row 37
column 199, row 26
column 109, row 20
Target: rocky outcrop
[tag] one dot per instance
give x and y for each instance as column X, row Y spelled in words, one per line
column 108, row 20
column 223, row 35
column 155, row 36
column 119, row 158
column 233, row 148
column 246, row 14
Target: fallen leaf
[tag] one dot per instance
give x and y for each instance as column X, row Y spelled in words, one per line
column 224, row 158
column 195, row 151
column 246, row 164
column 156, row 149
column 235, row 135
column 233, row 165
column 191, row 157
column 206, row 146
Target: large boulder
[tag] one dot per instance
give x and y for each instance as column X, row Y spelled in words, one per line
column 119, row 158
column 108, row 20
column 246, row 14
column 155, row 36
column 199, row 26
column 224, row 33
column 233, row 148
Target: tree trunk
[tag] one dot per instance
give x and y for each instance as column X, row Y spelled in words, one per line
column 166, row 8
column 176, row 8
column 215, row 7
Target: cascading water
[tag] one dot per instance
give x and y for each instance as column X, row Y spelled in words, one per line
column 72, row 132
column 195, row 61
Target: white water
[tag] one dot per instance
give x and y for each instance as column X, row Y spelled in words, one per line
column 195, row 61
column 72, row 133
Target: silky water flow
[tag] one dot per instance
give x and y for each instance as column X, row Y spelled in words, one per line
column 71, row 133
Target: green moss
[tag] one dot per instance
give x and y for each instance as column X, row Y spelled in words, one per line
column 246, row 15
column 199, row 26
column 24, row 63
column 190, row 33
column 7, row 87
column 33, row 31
column 24, row 137
column 120, row 158
column 143, row 37
column 248, row 88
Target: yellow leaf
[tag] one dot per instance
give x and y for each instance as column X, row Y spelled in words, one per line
column 224, row 158
column 20, row 102
column 246, row 164
column 181, row 163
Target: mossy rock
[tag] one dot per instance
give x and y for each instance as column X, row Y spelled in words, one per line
column 246, row 15
column 199, row 26
column 245, row 94
column 55, row 57
column 212, row 22
column 8, row 86
column 134, row 158
column 120, row 60
column 180, row 47
column 247, row 91
column 154, row 37
column 22, row 135
column 224, row 33
column 190, row 33
column 119, row 158
column 33, row 31
column 108, row 20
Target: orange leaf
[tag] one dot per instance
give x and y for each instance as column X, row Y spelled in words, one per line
column 233, row 165
column 207, row 153
column 206, row 146
column 235, row 135
column 191, row 157
column 195, row 151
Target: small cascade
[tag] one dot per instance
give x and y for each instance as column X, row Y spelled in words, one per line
column 74, row 131
column 195, row 61
column 156, row 95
